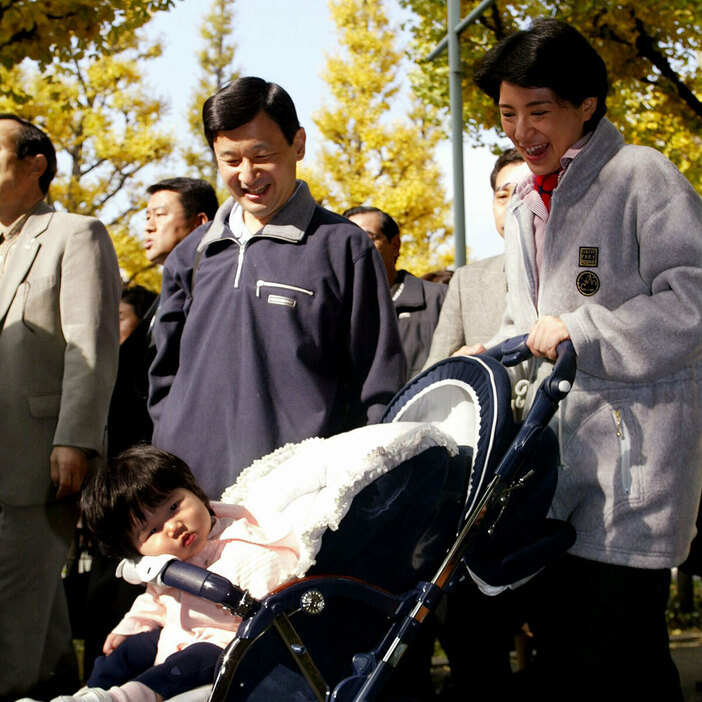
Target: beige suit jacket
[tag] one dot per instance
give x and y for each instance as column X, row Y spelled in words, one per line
column 473, row 308
column 59, row 339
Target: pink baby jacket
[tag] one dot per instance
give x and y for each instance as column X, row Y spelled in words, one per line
column 254, row 556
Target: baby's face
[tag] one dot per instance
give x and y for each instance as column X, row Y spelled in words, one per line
column 179, row 527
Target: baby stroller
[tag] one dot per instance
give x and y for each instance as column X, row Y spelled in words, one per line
column 475, row 506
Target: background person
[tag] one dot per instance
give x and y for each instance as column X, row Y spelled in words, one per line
column 59, row 336
column 276, row 322
column 417, row 302
column 480, row 664
column 135, row 303
column 176, row 207
column 473, row 308
column 603, row 246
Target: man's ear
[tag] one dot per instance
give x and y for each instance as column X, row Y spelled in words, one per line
column 37, row 165
column 396, row 243
column 299, row 143
column 199, row 219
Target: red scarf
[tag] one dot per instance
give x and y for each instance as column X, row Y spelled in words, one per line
column 545, row 185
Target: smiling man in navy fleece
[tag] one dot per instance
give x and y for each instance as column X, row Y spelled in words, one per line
column 276, row 322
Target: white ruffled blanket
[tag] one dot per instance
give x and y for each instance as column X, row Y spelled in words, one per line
column 310, row 485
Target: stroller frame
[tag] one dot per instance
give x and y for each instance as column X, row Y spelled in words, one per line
column 371, row 670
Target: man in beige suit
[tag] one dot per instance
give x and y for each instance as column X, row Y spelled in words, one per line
column 475, row 302
column 59, row 297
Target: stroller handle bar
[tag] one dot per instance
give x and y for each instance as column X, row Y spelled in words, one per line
column 510, row 351
column 211, row 586
column 552, row 390
column 515, row 350
column 406, row 612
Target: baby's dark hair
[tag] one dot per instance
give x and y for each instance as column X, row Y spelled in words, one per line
column 117, row 496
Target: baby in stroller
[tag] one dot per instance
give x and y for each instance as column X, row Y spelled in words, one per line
column 364, row 526
column 146, row 502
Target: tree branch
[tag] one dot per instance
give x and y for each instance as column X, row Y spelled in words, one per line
column 139, row 272
column 648, row 49
column 18, row 37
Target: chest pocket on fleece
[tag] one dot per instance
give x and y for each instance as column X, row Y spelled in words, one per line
column 282, row 294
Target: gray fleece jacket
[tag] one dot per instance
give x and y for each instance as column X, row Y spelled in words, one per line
column 622, row 268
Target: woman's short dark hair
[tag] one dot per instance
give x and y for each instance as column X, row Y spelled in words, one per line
column 550, row 54
column 32, row 141
column 119, row 494
column 239, row 102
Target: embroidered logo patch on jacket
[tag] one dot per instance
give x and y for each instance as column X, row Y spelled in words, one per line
column 587, row 283
column 589, row 256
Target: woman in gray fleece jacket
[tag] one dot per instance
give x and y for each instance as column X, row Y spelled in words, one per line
column 603, row 246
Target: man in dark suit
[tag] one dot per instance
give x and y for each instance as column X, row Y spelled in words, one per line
column 176, row 207
column 59, row 295
column 417, row 302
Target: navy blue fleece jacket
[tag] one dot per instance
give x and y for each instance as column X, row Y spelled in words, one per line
column 291, row 335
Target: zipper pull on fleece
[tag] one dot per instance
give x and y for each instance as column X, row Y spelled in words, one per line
column 624, row 450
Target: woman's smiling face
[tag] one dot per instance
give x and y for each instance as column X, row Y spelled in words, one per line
column 540, row 125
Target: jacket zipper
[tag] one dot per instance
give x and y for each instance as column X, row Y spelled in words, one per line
column 239, row 264
column 624, row 450
column 267, row 284
column 261, row 283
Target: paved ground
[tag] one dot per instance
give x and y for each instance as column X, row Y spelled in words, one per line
column 687, row 654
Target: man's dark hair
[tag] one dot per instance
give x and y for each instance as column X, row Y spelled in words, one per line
column 550, row 54
column 195, row 195
column 118, row 495
column 239, row 102
column 388, row 225
column 441, row 276
column 504, row 159
column 32, row 141
column 140, row 298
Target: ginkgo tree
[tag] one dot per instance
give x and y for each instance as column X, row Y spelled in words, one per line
column 378, row 145
column 652, row 50
column 105, row 125
column 216, row 61
column 45, row 30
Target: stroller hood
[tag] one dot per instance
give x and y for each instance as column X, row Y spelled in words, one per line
column 468, row 398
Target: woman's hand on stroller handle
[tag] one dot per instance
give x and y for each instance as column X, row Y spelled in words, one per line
column 546, row 335
column 515, row 350
column 542, row 341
